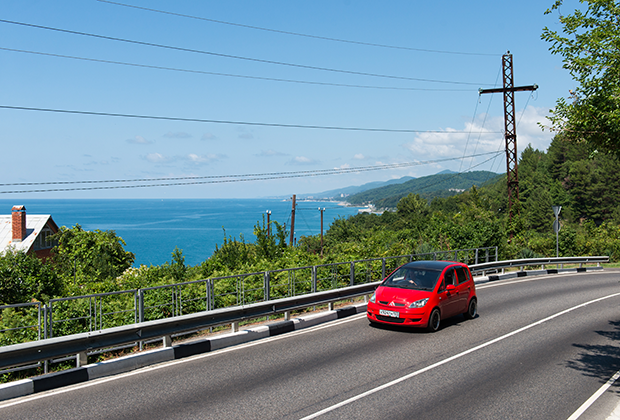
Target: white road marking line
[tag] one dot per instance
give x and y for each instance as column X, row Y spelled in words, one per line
column 594, row 397
column 184, row 360
column 450, row 359
column 505, row 282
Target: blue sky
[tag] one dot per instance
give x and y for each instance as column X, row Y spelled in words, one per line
column 56, row 147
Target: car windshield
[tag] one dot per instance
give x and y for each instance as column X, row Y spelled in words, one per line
column 413, row 278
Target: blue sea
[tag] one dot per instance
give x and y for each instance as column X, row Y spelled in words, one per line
column 152, row 228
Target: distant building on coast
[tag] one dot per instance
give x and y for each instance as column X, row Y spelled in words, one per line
column 29, row 234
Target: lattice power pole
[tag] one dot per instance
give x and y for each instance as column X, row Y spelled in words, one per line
column 510, row 127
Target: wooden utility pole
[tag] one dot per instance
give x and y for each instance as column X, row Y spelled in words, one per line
column 293, row 221
column 510, row 127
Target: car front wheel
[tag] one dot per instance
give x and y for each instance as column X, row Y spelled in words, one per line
column 434, row 320
column 472, row 309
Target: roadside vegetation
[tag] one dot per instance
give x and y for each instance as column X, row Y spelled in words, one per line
column 580, row 171
column 585, row 184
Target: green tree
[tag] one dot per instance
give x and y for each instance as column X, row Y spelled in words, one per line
column 178, row 270
column 589, row 45
column 24, row 277
column 90, row 256
column 271, row 246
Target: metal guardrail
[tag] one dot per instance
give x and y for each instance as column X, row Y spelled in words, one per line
column 25, row 353
column 32, row 352
column 542, row 262
column 80, row 314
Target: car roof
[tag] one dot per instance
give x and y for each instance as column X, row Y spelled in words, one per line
column 430, row 265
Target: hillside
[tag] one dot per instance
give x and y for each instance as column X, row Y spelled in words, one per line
column 340, row 193
column 439, row 185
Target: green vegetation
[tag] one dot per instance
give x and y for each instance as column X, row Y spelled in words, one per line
column 588, row 44
column 428, row 187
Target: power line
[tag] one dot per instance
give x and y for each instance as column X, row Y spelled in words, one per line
column 219, row 179
column 200, row 120
column 370, row 44
column 273, row 79
column 237, row 57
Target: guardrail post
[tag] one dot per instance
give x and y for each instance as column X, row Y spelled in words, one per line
column 352, row 274
column 234, row 326
column 287, row 315
column 140, row 305
column 330, row 306
column 81, row 359
column 208, row 294
column 266, row 286
column 45, row 367
column 496, row 254
column 167, row 341
column 141, row 312
column 314, row 278
column 476, row 259
column 382, row 268
column 211, row 294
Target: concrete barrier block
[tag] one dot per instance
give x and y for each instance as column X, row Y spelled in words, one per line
column 16, row 389
column 361, row 307
column 60, row 379
column 232, row 339
column 281, row 327
column 129, row 363
column 314, row 319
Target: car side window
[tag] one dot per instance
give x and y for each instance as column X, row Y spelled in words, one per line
column 449, row 277
column 460, row 273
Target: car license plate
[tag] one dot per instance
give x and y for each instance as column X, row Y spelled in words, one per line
column 393, row 314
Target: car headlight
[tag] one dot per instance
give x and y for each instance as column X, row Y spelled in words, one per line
column 372, row 298
column 418, row 303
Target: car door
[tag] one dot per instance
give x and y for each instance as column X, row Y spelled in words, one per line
column 448, row 299
column 463, row 289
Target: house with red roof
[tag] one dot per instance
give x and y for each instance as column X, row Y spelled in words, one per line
column 31, row 234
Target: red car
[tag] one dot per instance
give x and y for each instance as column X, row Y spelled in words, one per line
column 422, row 293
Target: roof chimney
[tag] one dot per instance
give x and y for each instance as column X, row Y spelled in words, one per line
column 18, row 214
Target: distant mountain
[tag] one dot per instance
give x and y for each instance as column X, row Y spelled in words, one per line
column 443, row 184
column 342, row 193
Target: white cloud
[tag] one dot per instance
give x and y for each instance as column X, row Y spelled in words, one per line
column 203, row 159
column 270, row 153
column 158, row 158
column 177, row 135
column 359, row 156
column 139, row 140
column 190, row 158
column 208, row 136
column 486, row 135
column 301, row 160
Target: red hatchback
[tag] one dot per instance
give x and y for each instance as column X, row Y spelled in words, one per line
column 421, row 293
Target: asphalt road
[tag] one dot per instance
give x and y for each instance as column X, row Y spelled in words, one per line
column 539, row 348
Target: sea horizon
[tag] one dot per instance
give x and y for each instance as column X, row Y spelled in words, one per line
column 152, row 228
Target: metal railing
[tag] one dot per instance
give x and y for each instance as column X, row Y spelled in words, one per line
column 536, row 262
column 98, row 311
column 95, row 312
column 30, row 352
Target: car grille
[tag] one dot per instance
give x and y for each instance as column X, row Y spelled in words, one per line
column 390, row 319
column 386, row 303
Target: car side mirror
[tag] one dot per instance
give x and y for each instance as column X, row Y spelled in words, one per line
column 450, row 288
